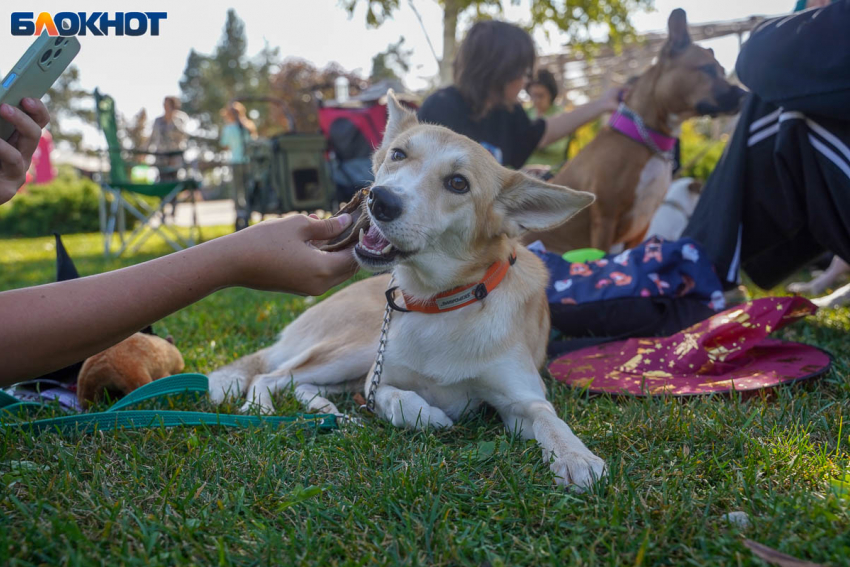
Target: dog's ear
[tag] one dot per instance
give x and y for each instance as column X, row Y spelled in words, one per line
column 678, row 38
column 531, row 204
column 399, row 119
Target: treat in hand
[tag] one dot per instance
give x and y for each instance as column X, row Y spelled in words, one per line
column 359, row 222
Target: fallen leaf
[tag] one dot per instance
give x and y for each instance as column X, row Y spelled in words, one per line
column 776, row 557
column 485, row 450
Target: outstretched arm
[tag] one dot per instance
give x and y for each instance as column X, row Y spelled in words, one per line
column 50, row 326
column 564, row 124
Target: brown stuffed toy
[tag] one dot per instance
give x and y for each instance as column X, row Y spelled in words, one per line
column 137, row 360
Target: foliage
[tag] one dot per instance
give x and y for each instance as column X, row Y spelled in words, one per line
column 67, row 204
column 700, row 153
column 210, row 82
column 302, row 86
column 576, row 19
column 391, row 64
column 469, row 495
column 67, row 99
column 133, row 133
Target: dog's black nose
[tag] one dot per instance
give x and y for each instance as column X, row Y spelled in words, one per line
column 384, row 204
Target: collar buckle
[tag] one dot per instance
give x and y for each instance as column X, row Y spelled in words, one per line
column 390, row 293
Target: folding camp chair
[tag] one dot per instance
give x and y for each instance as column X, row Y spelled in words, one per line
column 120, row 195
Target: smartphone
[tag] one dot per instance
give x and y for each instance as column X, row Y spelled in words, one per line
column 35, row 72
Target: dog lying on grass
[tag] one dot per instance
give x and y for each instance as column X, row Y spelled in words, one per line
column 442, row 215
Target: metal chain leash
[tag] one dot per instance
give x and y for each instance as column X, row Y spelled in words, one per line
column 379, row 358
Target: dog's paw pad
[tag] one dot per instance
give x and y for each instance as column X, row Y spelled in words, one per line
column 580, row 469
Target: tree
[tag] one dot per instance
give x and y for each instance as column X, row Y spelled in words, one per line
column 210, row 82
column 573, row 17
column 391, row 64
column 302, row 86
column 133, row 133
column 66, row 99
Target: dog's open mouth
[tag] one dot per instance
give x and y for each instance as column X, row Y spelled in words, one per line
column 370, row 245
column 374, row 246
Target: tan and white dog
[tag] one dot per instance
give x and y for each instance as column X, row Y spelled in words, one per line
column 444, row 216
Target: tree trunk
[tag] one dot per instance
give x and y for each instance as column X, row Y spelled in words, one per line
column 450, row 14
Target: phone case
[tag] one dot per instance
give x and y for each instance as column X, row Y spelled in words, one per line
column 35, row 72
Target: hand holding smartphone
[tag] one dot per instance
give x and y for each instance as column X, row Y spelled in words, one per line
column 35, row 72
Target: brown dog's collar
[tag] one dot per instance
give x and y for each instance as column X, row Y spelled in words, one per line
column 457, row 297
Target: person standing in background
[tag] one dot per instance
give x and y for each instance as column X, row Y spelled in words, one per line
column 169, row 135
column 237, row 131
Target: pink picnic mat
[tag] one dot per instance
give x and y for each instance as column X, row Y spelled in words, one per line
column 729, row 351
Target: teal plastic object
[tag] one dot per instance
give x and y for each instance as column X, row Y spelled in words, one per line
column 117, row 417
column 583, row 255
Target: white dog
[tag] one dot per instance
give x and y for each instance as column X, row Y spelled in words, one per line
column 672, row 216
column 444, row 216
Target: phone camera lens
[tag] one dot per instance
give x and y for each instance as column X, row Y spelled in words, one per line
column 58, row 40
column 58, row 51
column 46, row 55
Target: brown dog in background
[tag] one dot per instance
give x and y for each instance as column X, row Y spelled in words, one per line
column 137, row 360
column 628, row 178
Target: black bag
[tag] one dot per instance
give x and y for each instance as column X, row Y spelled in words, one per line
column 655, row 289
column 589, row 324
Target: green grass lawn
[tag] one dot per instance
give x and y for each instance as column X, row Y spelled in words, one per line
column 471, row 495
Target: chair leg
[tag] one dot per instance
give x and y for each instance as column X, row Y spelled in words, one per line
column 101, row 213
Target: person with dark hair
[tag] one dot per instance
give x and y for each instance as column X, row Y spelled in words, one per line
column 491, row 68
column 543, row 90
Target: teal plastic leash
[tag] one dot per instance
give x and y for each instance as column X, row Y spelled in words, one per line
column 116, row 417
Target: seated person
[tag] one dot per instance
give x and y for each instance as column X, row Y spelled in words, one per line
column 492, row 65
column 780, row 195
column 543, row 90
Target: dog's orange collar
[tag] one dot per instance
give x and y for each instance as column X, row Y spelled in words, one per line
column 457, row 297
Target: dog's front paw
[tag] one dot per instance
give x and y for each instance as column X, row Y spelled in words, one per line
column 223, row 384
column 579, row 468
column 832, row 300
column 257, row 406
column 809, row 287
column 419, row 417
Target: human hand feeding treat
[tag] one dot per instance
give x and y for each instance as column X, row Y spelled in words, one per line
column 359, row 222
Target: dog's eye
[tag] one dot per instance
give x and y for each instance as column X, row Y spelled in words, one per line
column 397, row 155
column 457, row 184
column 709, row 70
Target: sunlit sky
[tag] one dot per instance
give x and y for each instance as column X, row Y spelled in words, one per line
column 139, row 71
